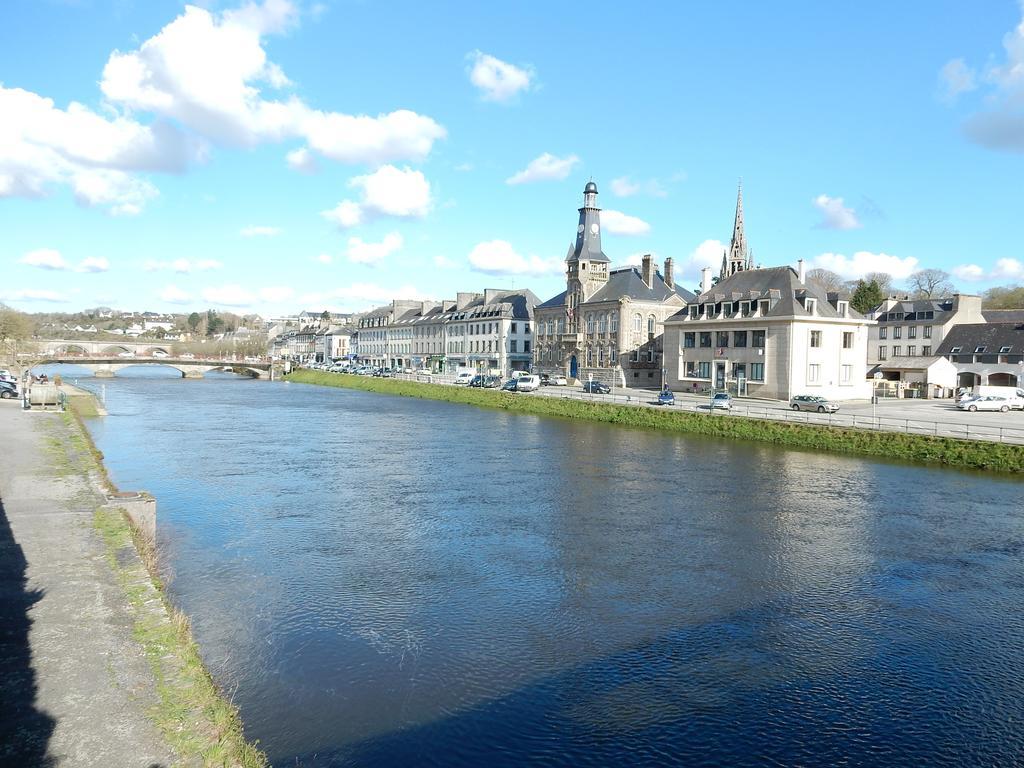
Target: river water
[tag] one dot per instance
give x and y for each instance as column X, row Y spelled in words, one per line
column 385, row 581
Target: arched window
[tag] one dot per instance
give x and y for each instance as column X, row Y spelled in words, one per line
column 615, row 322
column 590, row 322
column 600, row 356
column 602, row 323
column 613, row 358
column 650, row 325
column 637, row 323
column 590, row 357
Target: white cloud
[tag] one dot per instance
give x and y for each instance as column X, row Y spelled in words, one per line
column 618, row 223
column 260, row 231
column 498, row 257
column 49, row 258
column 371, row 293
column 498, row 80
column 834, row 214
column 276, row 294
column 325, row 258
column 388, row 191
column 865, row 262
column 1004, row 269
column 360, row 252
column 174, row 295
column 30, row 294
column 623, row 187
column 208, row 71
column 547, row 167
column 228, row 296
column 956, row 78
column 1001, row 125
column 45, row 258
column 443, row 262
column 182, row 266
column 301, row 160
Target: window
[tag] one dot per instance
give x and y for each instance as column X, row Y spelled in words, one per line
column 881, row 353
column 704, row 370
column 615, row 322
column 845, row 374
column 513, row 328
column 602, row 323
column 613, row 357
column 912, row 332
column 1004, row 350
column 745, row 308
column 883, row 332
column 590, row 323
column 811, row 305
column 897, row 332
column 926, row 351
column 927, row 331
column 694, row 309
column 650, row 355
column 600, row 356
column 896, row 349
column 689, row 340
column 739, row 370
column 635, row 356
column 650, row 325
column 842, row 307
column 705, row 338
column 757, row 371
column 764, row 307
column 979, row 350
column 722, row 339
column 727, row 307
column 955, row 350
column 847, row 339
column 590, row 357
column 912, row 350
column 757, row 339
column 815, row 338
column 637, row 323
column 813, row 373
column 526, row 327
column 739, row 338
column 526, row 346
column 513, row 346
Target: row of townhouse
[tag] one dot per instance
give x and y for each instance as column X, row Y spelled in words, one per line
column 489, row 331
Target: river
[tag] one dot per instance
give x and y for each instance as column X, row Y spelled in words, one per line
column 385, row 581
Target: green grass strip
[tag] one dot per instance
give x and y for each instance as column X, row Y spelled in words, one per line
column 971, row 454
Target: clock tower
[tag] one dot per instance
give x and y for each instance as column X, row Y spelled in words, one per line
column 587, row 265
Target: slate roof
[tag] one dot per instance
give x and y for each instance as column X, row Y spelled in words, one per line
column 627, row 282
column 1003, row 315
column 779, row 283
column 918, row 363
column 992, row 336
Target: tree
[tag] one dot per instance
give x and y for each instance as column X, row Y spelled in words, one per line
column 1004, row 297
column 325, row 316
column 930, row 284
column 882, row 279
column 826, row 280
column 16, row 331
column 867, row 296
column 193, row 321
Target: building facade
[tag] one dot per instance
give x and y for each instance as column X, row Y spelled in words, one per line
column 768, row 333
column 986, row 353
column 608, row 323
column 907, row 328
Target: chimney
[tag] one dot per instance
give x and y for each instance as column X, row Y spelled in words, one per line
column 800, row 271
column 464, row 299
column 491, row 295
column 705, row 280
column 647, row 270
column 669, row 279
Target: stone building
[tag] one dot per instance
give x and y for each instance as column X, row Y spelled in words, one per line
column 986, row 353
column 916, row 327
column 608, row 323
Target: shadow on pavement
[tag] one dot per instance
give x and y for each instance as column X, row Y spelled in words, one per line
column 24, row 730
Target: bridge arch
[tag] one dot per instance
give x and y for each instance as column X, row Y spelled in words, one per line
column 151, row 350
column 67, row 349
column 114, row 349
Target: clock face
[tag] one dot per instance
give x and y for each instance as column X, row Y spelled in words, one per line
column 594, row 229
column 580, row 229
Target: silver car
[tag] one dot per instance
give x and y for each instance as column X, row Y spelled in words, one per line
column 813, row 403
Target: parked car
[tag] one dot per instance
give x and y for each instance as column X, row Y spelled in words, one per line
column 463, row 378
column 126, row 354
column 721, row 400
column 476, row 381
column 559, row 381
column 8, row 391
column 528, row 383
column 545, row 380
column 512, row 385
column 813, row 403
column 492, row 382
column 160, row 353
column 596, row 388
column 665, row 397
column 187, row 356
column 985, row 403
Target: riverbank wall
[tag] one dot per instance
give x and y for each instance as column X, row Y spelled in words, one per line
column 141, row 654
column 999, row 457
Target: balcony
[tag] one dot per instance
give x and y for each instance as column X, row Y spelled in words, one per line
column 571, row 338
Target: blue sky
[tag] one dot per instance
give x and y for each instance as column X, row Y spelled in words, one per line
column 280, row 156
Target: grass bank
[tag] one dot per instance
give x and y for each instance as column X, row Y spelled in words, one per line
column 893, row 445
column 196, row 718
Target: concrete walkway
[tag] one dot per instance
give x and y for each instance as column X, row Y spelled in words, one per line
column 74, row 685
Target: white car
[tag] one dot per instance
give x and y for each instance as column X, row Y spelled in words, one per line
column 988, row 403
column 464, row 378
column 527, row 383
column 559, row 381
column 126, row 354
column 158, row 353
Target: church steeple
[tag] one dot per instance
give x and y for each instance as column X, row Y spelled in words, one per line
column 736, row 259
column 587, row 267
column 588, row 233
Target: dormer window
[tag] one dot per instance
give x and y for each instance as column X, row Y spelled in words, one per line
column 810, row 305
column 744, row 308
column 1004, row 350
column 693, row 312
column 955, row 350
column 843, row 308
column 979, row 350
column 765, row 306
column 727, row 307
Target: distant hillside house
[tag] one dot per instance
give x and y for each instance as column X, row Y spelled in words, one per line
column 607, row 324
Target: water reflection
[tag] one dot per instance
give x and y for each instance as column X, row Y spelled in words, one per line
column 387, row 581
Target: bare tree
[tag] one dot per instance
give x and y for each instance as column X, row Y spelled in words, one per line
column 826, row 279
column 882, row 279
column 930, row 284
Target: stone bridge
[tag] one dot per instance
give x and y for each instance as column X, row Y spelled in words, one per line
column 190, row 368
column 58, row 347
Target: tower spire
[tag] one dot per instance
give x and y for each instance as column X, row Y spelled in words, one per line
column 738, row 259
